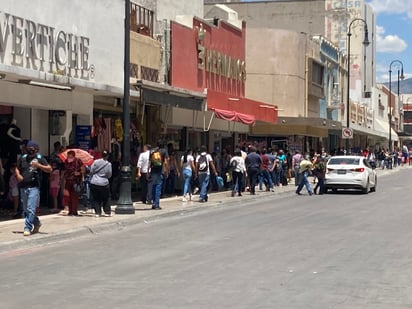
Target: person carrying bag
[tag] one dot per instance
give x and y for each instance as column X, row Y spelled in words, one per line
column 100, row 172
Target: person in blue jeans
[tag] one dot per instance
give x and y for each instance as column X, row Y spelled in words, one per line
column 253, row 163
column 188, row 166
column 159, row 170
column 204, row 166
column 305, row 168
column 27, row 172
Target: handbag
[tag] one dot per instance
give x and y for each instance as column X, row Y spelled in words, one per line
column 79, row 187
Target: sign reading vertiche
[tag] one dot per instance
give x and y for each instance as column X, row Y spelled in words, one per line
column 27, row 44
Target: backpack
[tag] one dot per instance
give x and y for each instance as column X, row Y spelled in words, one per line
column 156, row 158
column 203, row 164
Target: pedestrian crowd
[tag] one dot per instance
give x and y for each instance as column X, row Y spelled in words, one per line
column 158, row 171
column 246, row 170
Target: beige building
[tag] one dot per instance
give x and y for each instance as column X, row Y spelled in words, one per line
column 284, row 67
column 329, row 19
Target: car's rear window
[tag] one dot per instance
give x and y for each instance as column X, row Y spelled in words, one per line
column 344, row 161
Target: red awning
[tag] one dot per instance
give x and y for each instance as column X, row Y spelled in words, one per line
column 234, row 116
column 240, row 109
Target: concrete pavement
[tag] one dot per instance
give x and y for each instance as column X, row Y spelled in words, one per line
column 56, row 227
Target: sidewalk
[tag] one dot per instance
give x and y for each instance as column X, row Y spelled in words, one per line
column 56, row 227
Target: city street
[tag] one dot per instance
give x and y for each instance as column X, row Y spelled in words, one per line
column 344, row 250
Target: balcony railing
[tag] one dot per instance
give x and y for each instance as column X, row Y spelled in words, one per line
column 141, row 20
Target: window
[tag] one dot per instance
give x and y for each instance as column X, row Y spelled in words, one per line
column 343, row 161
column 317, row 73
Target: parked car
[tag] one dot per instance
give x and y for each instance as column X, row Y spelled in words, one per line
column 350, row 172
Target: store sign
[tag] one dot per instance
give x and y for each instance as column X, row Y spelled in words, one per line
column 27, row 44
column 221, row 64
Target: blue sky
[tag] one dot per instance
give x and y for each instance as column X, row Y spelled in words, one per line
column 394, row 36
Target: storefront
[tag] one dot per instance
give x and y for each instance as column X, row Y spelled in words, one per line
column 210, row 59
column 51, row 68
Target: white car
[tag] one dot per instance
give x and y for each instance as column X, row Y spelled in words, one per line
column 350, row 172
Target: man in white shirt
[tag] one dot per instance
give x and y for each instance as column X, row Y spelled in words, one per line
column 142, row 173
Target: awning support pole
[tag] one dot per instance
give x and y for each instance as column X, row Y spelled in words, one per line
column 143, row 111
column 210, row 122
column 167, row 112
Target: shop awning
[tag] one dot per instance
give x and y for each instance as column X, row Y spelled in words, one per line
column 234, row 116
column 382, row 127
column 161, row 94
column 240, row 109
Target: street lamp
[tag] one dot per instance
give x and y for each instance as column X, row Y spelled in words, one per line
column 400, row 76
column 125, row 204
column 365, row 43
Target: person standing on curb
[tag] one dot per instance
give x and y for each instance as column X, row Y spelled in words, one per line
column 100, row 172
column 305, row 168
column 188, row 166
column 253, row 162
column 143, row 166
column 27, row 172
column 159, row 170
column 238, row 165
column 204, row 165
column 73, row 172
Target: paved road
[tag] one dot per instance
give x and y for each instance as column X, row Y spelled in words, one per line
column 332, row 251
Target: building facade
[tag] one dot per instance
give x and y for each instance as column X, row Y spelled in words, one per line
column 329, row 19
column 52, row 68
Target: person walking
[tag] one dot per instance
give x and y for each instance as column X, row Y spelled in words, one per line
column 159, row 170
column 319, row 171
column 253, row 162
column 237, row 164
column 204, row 166
column 73, row 172
column 297, row 157
column 143, row 166
column 173, row 173
column 188, row 166
column 28, row 174
column 304, row 170
column 265, row 173
column 100, row 172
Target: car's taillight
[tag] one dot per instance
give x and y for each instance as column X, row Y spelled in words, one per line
column 358, row 170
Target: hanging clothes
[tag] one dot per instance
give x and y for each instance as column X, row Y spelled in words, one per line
column 104, row 139
column 118, row 129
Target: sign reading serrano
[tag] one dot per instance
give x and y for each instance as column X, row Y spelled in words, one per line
column 218, row 63
column 39, row 47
